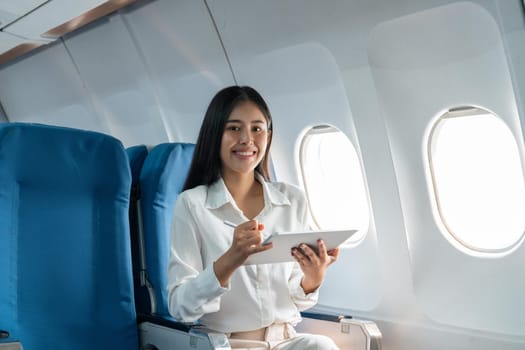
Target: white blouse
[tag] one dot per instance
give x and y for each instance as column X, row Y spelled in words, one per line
column 257, row 295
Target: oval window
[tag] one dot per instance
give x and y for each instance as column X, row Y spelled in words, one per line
column 334, row 181
column 477, row 177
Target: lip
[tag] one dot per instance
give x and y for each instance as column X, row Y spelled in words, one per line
column 245, row 153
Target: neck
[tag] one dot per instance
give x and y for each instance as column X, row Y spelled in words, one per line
column 246, row 192
column 240, row 185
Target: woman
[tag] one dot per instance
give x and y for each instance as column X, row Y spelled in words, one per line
column 229, row 181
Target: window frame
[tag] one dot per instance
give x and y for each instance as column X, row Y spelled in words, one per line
column 304, row 139
column 440, row 218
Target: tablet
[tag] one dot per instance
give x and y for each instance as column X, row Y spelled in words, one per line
column 283, row 242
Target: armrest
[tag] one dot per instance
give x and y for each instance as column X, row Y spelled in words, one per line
column 165, row 333
column 371, row 332
column 10, row 344
column 166, row 321
column 7, row 343
column 323, row 317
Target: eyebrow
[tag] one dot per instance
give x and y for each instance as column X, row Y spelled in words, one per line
column 240, row 121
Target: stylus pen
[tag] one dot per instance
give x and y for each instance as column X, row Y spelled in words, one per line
column 229, row 223
column 268, row 240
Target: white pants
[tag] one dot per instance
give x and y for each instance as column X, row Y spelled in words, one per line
column 303, row 341
column 280, row 337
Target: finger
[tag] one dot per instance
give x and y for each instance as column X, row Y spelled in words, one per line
column 247, row 239
column 322, row 250
column 334, row 254
column 246, row 229
column 260, row 228
column 254, row 238
column 261, row 248
column 298, row 256
column 241, row 234
column 301, row 257
column 248, row 225
column 309, row 253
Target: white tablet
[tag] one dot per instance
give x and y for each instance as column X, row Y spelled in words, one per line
column 283, row 242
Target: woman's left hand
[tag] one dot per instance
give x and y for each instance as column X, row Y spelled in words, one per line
column 314, row 264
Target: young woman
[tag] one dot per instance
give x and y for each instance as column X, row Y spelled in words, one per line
column 255, row 305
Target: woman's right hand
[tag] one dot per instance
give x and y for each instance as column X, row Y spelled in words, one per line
column 247, row 239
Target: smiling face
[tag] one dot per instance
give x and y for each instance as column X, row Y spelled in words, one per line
column 244, row 140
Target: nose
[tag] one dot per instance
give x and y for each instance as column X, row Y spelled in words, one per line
column 246, row 137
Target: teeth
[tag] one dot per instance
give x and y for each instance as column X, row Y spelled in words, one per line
column 245, row 153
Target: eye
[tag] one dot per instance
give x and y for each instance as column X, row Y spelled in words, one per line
column 257, row 129
column 233, row 128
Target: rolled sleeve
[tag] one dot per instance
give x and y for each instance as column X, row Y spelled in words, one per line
column 301, row 300
column 197, row 296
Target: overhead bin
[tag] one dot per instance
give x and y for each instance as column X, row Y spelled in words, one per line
column 45, row 20
column 11, row 10
column 26, row 24
column 12, row 46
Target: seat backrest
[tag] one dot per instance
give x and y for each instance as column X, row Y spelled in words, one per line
column 162, row 178
column 65, row 265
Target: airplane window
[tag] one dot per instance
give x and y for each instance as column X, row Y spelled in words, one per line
column 477, row 176
column 334, row 181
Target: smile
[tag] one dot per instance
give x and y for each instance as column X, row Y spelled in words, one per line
column 245, row 154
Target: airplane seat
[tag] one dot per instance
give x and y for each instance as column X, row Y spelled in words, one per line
column 65, row 252
column 161, row 179
column 65, row 265
column 136, row 156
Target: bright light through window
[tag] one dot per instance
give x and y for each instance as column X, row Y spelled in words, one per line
column 478, row 179
column 334, row 181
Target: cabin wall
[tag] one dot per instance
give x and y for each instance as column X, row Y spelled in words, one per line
column 3, row 116
column 414, row 85
column 380, row 71
column 138, row 75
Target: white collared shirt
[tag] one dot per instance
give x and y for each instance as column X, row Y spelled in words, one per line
column 257, row 295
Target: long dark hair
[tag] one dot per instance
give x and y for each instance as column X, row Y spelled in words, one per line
column 205, row 166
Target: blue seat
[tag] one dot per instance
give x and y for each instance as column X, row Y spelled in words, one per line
column 161, row 180
column 65, row 264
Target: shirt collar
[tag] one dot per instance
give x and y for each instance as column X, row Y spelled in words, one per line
column 218, row 195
